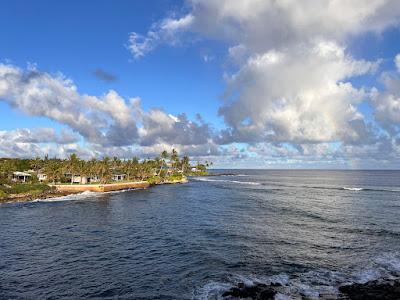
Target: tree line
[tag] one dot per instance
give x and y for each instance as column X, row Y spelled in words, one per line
column 63, row 170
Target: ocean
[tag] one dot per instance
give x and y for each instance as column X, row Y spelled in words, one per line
column 309, row 230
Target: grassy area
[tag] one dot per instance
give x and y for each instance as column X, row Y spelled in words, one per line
column 154, row 180
column 31, row 188
column 198, row 173
column 174, row 177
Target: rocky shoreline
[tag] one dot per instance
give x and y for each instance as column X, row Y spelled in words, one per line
column 25, row 197
column 77, row 189
column 372, row 290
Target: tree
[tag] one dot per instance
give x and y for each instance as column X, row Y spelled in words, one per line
column 105, row 171
column 174, row 159
column 73, row 165
column 185, row 164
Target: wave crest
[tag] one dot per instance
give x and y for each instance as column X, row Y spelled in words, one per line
column 315, row 284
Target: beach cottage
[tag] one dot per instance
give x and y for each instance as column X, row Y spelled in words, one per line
column 118, row 177
column 20, row 176
column 42, row 177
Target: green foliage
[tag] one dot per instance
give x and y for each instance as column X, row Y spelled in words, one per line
column 64, row 170
column 175, row 177
column 27, row 187
column 153, row 180
column 3, row 194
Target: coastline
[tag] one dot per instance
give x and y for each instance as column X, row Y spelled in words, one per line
column 26, row 197
column 68, row 189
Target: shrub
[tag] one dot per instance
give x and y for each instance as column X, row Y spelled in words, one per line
column 153, row 180
column 26, row 187
column 175, row 177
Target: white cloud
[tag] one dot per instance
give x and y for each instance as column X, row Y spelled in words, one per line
column 165, row 31
column 108, row 124
column 292, row 82
column 386, row 104
column 261, row 25
column 158, row 127
column 397, row 62
column 26, row 142
column 298, row 95
column 56, row 97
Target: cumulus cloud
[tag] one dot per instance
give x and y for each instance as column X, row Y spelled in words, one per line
column 24, row 142
column 297, row 95
column 386, row 103
column 160, row 127
column 397, row 62
column 56, row 97
column 264, row 24
column 109, row 124
column 292, row 73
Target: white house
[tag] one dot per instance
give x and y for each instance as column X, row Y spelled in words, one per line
column 42, row 177
column 20, row 176
column 118, row 177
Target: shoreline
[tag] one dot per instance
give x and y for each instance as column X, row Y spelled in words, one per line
column 384, row 289
column 66, row 190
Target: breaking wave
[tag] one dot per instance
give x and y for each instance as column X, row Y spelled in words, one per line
column 353, row 189
column 272, row 184
column 81, row 196
column 226, row 181
column 314, row 284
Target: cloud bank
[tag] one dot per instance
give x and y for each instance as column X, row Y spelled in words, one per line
column 289, row 82
column 289, row 98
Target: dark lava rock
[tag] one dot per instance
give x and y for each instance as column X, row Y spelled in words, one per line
column 373, row 290
column 257, row 292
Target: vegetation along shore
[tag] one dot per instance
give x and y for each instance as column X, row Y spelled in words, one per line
column 29, row 179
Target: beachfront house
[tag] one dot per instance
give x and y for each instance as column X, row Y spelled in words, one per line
column 20, row 176
column 93, row 178
column 85, row 179
column 77, row 178
column 42, row 177
column 118, row 177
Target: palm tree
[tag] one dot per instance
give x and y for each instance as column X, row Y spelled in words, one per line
column 185, row 164
column 37, row 164
column 164, row 156
column 174, row 159
column 105, row 170
column 72, row 165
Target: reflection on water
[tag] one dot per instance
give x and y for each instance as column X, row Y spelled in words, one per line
column 313, row 230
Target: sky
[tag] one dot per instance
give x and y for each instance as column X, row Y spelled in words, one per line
column 241, row 83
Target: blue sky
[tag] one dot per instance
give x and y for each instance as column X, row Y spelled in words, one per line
column 76, row 38
column 252, row 76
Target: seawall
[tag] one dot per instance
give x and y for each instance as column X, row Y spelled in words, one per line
column 101, row 187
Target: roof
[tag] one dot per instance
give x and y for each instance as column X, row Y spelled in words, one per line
column 21, row 174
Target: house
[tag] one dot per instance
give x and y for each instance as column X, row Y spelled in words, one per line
column 20, row 176
column 79, row 179
column 118, row 177
column 85, row 179
column 93, row 178
column 42, row 177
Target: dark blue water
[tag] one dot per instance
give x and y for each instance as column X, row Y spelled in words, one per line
column 312, row 230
